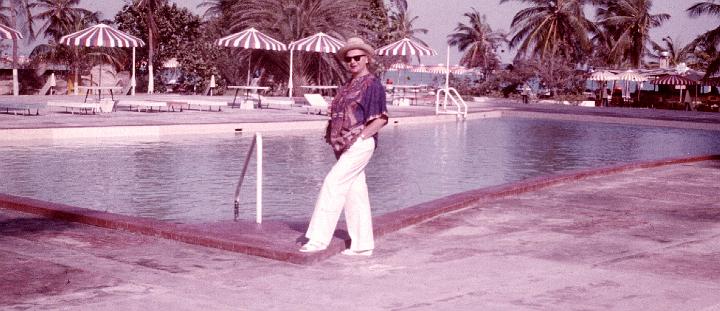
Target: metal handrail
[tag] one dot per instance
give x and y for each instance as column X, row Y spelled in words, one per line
column 256, row 142
column 456, row 99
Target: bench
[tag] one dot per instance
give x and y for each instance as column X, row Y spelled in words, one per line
column 276, row 102
column 205, row 103
column 102, row 106
column 148, row 105
column 15, row 107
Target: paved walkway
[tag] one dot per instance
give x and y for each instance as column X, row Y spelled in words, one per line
column 645, row 239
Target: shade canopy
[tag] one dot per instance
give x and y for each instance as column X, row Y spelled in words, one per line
column 251, row 38
column 9, row 33
column 101, row 35
column 319, row 42
column 673, row 80
column 405, row 47
column 603, row 76
column 400, row 66
column 631, row 76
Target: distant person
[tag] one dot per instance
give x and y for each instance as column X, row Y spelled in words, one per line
column 604, row 97
column 525, row 93
column 357, row 113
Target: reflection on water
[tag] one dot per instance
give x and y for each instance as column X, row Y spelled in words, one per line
column 192, row 179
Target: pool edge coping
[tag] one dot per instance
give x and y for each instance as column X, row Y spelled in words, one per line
column 383, row 224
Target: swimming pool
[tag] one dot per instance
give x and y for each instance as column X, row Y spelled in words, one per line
column 192, row 179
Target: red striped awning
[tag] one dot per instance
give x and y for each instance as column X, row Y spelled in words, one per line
column 405, row 47
column 101, row 35
column 318, row 42
column 673, row 80
column 9, row 33
column 251, row 38
column 399, row 66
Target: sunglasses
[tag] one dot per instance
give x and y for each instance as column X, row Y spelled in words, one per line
column 355, row 58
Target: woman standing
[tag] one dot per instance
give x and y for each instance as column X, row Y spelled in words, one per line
column 357, row 113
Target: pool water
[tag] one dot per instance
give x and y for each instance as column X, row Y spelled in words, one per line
column 192, row 179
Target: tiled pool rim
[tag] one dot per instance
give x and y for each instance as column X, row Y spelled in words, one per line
column 280, row 241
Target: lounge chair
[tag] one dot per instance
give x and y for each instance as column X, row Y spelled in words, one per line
column 276, row 102
column 317, row 103
column 104, row 106
column 140, row 104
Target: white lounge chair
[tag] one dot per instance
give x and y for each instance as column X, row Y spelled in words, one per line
column 276, row 102
column 317, row 103
column 139, row 104
column 104, row 106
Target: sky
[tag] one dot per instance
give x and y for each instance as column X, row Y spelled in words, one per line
column 441, row 18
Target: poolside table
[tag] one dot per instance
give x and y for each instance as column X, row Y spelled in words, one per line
column 247, row 89
column 100, row 89
column 405, row 89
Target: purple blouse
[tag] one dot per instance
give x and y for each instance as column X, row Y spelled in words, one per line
column 358, row 102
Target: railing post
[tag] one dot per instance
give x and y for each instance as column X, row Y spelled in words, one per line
column 258, row 190
column 257, row 145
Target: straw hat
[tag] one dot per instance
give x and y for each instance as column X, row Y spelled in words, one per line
column 356, row 43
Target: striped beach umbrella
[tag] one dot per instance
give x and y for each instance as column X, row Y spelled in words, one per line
column 251, row 38
column 674, row 80
column 319, row 42
column 603, row 76
column 405, row 47
column 14, row 35
column 630, row 75
column 102, row 35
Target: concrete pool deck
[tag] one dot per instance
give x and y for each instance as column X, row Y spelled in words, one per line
column 640, row 236
column 640, row 239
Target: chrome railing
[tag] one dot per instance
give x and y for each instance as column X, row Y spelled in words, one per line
column 452, row 94
column 258, row 146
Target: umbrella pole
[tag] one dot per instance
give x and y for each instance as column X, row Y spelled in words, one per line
column 248, row 74
column 132, row 80
column 290, row 82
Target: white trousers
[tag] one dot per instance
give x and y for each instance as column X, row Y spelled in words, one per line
column 345, row 188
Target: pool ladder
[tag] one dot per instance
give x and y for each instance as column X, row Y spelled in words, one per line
column 258, row 146
column 452, row 94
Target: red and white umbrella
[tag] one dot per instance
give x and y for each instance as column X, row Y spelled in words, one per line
column 102, row 35
column 319, row 42
column 603, row 76
column 405, row 47
column 674, row 80
column 630, row 75
column 251, row 38
column 400, row 66
column 14, row 35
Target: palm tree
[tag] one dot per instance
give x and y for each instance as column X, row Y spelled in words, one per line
column 150, row 7
column 550, row 28
column 628, row 23
column 21, row 19
column 668, row 50
column 216, row 8
column 709, row 40
column 290, row 20
column 61, row 17
column 478, row 40
column 402, row 25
